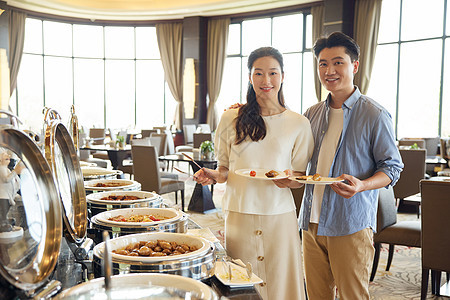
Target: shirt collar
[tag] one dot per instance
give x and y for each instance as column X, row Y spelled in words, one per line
column 350, row 101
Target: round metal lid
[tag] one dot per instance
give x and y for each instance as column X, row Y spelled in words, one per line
column 31, row 204
column 142, row 286
column 63, row 159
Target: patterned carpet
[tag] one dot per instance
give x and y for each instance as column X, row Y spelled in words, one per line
column 402, row 282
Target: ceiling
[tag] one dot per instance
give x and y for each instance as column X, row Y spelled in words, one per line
column 147, row 9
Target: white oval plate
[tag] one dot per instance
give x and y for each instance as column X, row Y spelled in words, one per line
column 90, row 185
column 144, row 197
column 260, row 174
column 123, row 241
column 239, row 275
column 323, row 180
column 170, row 213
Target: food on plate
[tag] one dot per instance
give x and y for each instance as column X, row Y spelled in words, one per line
column 272, row 174
column 110, row 184
column 253, row 173
column 315, row 177
column 138, row 218
column 155, row 248
column 120, row 197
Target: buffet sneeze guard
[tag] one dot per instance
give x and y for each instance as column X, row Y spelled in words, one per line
column 62, row 157
column 30, row 241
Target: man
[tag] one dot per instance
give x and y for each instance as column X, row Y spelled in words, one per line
column 354, row 140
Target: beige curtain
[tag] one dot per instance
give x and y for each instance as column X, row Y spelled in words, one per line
column 217, row 47
column 170, row 37
column 317, row 13
column 367, row 23
column 16, row 42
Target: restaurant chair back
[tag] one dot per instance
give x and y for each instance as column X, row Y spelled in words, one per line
column 141, row 142
column 147, row 172
column 413, row 172
column 409, row 142
column 199, row 138
column 188, row 131
column 170, row 142
column 159, row 140
column 389, row 231
column 432, row 145
column 205, row 128
column 435, row 233
column 445, row 149
column 97, row 136
column 147, row 132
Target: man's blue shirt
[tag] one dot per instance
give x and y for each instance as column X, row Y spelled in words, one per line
column 367, row 145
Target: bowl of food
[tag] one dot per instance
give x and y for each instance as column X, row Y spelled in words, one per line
column 117, row 199
column 91, row 173
column 121, row 197
column 154, row 247
column 141, row 216
column 111, row 184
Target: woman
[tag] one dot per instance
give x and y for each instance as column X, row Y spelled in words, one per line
column 9, row 185
column 260, row 218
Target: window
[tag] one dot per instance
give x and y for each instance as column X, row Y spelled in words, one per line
column 113, row 75
column 412, row 65
column 291, row 35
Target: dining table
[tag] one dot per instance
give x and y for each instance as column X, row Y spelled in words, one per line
column 201, row 199
column 436, row 163
column 115, row 154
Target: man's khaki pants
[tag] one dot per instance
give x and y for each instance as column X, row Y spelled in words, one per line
column 337, row 261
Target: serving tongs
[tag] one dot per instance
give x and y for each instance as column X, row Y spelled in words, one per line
column 107, row 263
column 200, row 167
column 238, row 262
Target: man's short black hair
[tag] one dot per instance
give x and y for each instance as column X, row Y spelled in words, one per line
column 338, row 39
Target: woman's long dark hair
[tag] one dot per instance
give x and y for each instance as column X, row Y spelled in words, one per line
column 249, row 122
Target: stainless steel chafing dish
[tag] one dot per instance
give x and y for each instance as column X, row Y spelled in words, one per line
column 91, row 173
column 96, row 205
column 141, row 286
column 95, row 186
column 177, row 222
column 27, row 261
column 62, row 157
column 197, row 265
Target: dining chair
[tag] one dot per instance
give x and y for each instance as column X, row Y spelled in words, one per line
column 435, row 233
column 141, row 142
column 147, row 132
column 147, row 172
column 199, row 138
column 389, row 231
column 409, row 142
column 413, row 172
column 159, row 140
column 97, row 137
column 85, row 155
column 188, row 132
column 127, row 166
column 445, row 149
column 205, row 128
